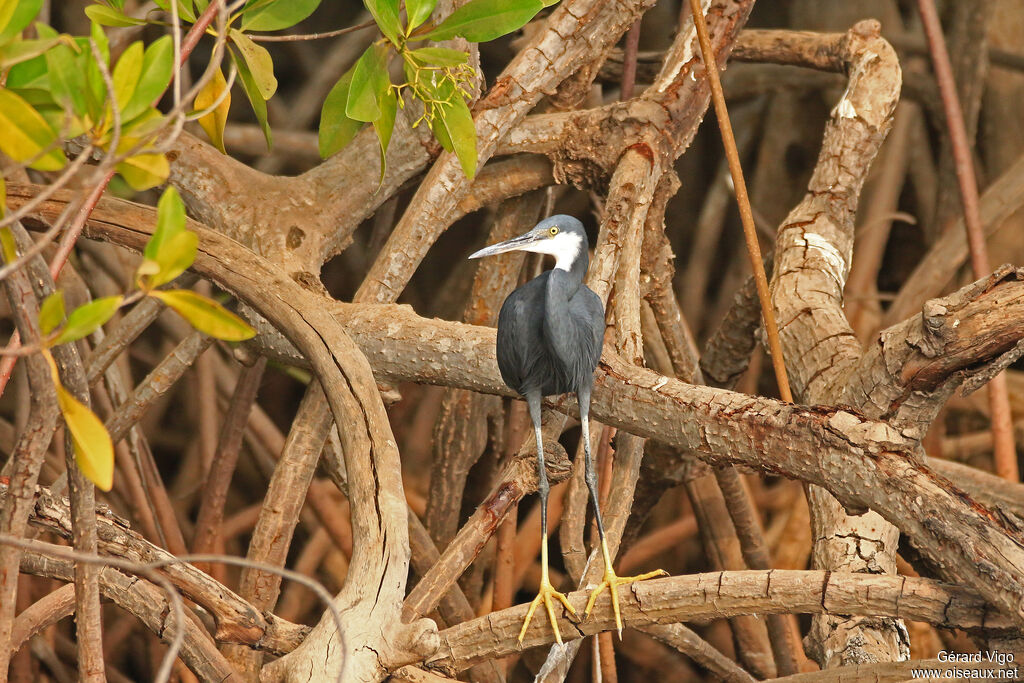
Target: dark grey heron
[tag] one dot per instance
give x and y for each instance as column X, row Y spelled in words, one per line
column 550, row 332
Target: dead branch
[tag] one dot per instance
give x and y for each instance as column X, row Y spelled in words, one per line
column 22, row 472
column 150, row 605
column 723, row 594
column 236, row 620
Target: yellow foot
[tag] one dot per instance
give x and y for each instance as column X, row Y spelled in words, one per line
column 547, row 595
column 612, row 582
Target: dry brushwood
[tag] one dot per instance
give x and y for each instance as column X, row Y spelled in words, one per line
column 364, row 445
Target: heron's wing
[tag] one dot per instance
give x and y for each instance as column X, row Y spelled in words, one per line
column 518, row 338
column 592, row 327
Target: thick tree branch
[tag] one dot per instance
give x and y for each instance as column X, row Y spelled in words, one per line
column 701, row 597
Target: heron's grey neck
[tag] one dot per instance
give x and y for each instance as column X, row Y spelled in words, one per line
column 567, row 280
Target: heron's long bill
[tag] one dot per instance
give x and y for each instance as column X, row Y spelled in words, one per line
column 513, row 244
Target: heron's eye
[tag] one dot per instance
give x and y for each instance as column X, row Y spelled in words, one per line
column 553, row 230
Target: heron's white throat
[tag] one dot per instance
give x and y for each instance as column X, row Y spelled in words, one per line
column 565, row 247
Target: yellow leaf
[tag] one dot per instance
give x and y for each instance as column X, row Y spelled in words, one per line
column 206, row 315
column 214, row 122
column 7, row 246
column 259, row 61
column 25, row 134
column 144, row 171
column 94, row 452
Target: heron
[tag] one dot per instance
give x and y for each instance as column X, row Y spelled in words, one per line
column 550, row 333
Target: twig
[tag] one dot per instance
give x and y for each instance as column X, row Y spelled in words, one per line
column 1000, row 200
column 141, row 466
column 629, row 60
column 23, row 469
column 743, row 201
column 198, row 29
column 215, row 489
column 700, row 651
column 272, row 536
column 313, row 36
column 76, row 557
column 48, row 610
column 157, row 383
column 88, row 625
column 782, row 631
column 721, row 543
column 999, row 401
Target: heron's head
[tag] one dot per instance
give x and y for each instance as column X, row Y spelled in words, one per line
column 560, row 236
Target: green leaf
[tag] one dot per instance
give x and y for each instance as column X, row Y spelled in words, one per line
column 440, row 56
column 170, row 221
column 108, row 16
column 369, row 83
column 418, row 11
column 126, row 73
column 259, row 62
column 214, row 122
column 336, row 128
column 51, row 313
column 15, row 15
column 481, row 20
column 87, row 318
column 32, row 74
column 206, row 315
column 172, row 248
column 26, row 133
column 385, row 13
column 278, row 14
column 96, row 92
column 457, row 122
column 67, row 79
column 157, row 67
column 441, row 133
column 185, row 9
column 146, row 123
column 549, row 3
column 94, row 451
column 259, row 105
column 23, row 50
column 384, row 125
column 176, row 255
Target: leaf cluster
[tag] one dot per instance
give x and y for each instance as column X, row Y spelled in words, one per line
column 169, row 252
column 439, row 79
column 55, row 89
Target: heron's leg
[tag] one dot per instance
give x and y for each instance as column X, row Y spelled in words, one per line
column 611, row 580
column 547, row 593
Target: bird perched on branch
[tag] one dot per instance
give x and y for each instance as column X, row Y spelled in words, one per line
column 550, row 332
